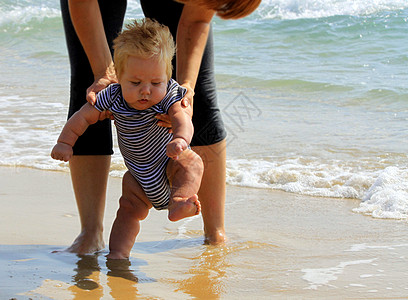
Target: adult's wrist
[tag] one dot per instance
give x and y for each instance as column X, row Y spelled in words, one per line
column 108, row 73
column 188, row 85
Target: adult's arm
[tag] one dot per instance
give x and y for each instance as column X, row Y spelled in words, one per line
column 192, row 34
column 87, row 20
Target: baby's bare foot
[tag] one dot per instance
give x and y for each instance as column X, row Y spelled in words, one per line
column 180, row 208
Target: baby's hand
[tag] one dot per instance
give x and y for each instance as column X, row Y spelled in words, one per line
column 176, row 147
column 62, row 152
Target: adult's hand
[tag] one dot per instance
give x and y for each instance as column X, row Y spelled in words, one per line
column 164, row 121
column 99, row 84
column 188, row 99
column 186, row 103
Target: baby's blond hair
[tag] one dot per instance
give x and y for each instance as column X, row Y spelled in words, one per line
column 145, row 39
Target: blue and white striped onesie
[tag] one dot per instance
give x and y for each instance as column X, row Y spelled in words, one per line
column 141, row 142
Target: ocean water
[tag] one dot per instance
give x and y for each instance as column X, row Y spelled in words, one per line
column 313, row 93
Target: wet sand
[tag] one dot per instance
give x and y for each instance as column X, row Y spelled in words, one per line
column 280, row 245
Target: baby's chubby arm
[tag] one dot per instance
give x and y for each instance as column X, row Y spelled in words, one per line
column 75, row 127
column 182, row 128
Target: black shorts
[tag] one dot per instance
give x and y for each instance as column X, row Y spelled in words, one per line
column 97, row 140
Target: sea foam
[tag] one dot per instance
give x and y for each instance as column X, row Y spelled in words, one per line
column 384, row 192
column 301, row 175
column 311, row 9
column 387, row 198
column 18, row 15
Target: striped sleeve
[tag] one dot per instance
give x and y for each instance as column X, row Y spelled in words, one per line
column 175, row 92
column 106, row 97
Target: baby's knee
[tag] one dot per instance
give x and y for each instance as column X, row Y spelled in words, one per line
column 198, row 163
column 194, row 162
column 135, row 208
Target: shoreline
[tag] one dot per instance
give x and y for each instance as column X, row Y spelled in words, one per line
column 280, row 245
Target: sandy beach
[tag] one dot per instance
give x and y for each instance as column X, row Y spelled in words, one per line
column 285, row 246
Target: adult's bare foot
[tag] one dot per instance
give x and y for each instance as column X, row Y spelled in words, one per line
column 216, row 238
column 86, row 244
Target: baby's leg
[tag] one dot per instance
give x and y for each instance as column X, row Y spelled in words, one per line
column 185, row 178
column 133, row 208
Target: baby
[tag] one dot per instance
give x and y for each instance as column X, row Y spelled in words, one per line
column 142, row 56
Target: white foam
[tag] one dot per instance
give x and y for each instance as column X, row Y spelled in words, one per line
column 320, row 277
column 296, row 9
column 364, row 247
column 20, row 15
column 384, row 192
column 301, row 175
column 387, row 198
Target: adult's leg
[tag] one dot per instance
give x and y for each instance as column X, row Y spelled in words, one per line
column 89, row 176
column 133, row 208
column 209, row 143
column 212, row 191
column 90, row 164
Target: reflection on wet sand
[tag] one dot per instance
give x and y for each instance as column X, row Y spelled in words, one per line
column 93, row 281
column 207, row 274
column 181, row 269
column 213, row 269
column 121, row 279
column 86, row 266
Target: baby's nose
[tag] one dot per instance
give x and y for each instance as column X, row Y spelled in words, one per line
column 145, row 89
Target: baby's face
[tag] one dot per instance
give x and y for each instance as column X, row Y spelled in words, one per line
column 143, row 82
